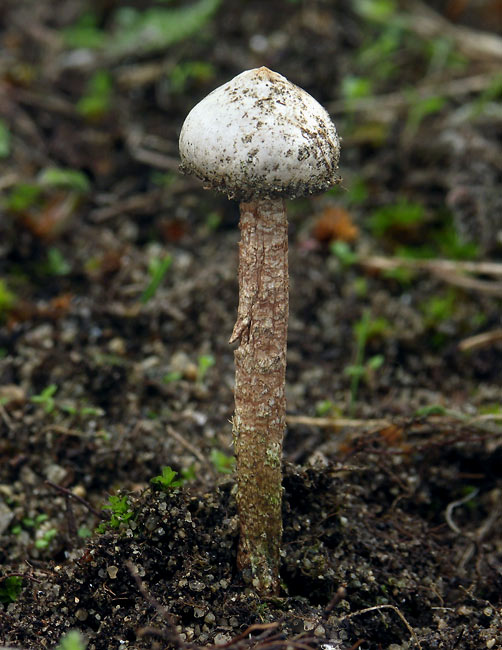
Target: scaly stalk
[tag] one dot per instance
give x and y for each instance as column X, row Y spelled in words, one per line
column 260, row 405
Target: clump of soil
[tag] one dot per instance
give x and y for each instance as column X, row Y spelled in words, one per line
column 369, row 559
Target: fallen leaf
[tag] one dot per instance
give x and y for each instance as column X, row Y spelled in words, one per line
column 335, row 224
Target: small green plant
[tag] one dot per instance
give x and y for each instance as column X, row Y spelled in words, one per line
column 72, row 640
column 440, row 308
column 46, row 398
column 343, row 252
column 364, row 330
column 84, row 33
column 4, row 140
column 43, row 539
column 420, row 109
column 97, row 99
column 140, row 31
column 326, row 408
column 22, row 197
column 188, row 473
column 183, row 73
column 222, row 463
column 7, row 298
column 204, row 362
column 167, row 479
column 10, row 588
column 46, row 538
column 120, row 513
column 442, row 54
column 380, row 11
column 354, row 88
column 56, row 264
column 30, row 522
column 157, row 268
column 402, row 215
column 84, row 532
column 67, row 179
column 173, row 376
column 492, row 93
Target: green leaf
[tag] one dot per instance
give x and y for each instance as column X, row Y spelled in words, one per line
column 44, row 541
column 377, row 10
column 71, row 179
column 205, row 362
column 97, row 98
column 344, row 253
column 400, row 215
column 7, row 298
column 167, row 479
column 356, row 87
column 46, row 398
column 22, row 197
column 4, row 140
column 157, row 269
column 85, row 33
column 156, row 28
column 222, row 463
column 354, row 371
column 10, row 588
column 56, row 263
column 375, row 362
column 72, row 640
column 432, row 409
column 419, row 109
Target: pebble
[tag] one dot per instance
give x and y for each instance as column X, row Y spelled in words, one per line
column 81, row 614
column 6, row 516
column 209, row 618
column 112, row 571
column 221, row 639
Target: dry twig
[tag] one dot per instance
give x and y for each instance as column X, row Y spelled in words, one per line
column 480, row 340
column 433, row 266
column 475, row 44
column 450, row 271
column 394, row 609
column 386, row 106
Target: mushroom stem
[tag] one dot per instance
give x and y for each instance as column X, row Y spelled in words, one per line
column 260, row 406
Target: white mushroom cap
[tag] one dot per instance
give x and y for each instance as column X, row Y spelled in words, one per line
column 260, row 136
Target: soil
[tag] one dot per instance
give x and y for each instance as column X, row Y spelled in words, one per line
column 392, row 485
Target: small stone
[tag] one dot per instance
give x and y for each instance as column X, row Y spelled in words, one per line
column 463, row 610
column 117, row 346
column 6, row 516
column 209, row 618
column 319, row 631
column 11, row 394
column 490, row 643
column 112, row 571
column 55, row 473
column 196, row 585
column 81, row 614
column 221, row 639
column 198, row 612
column 79, row 491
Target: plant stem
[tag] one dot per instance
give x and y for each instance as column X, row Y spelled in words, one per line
column 260, row 405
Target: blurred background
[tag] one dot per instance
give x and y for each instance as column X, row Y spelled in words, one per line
column 118, row 281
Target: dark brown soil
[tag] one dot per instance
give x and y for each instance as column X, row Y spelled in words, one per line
column 392, row 503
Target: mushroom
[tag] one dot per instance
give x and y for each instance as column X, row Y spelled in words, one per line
column 260, row 139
